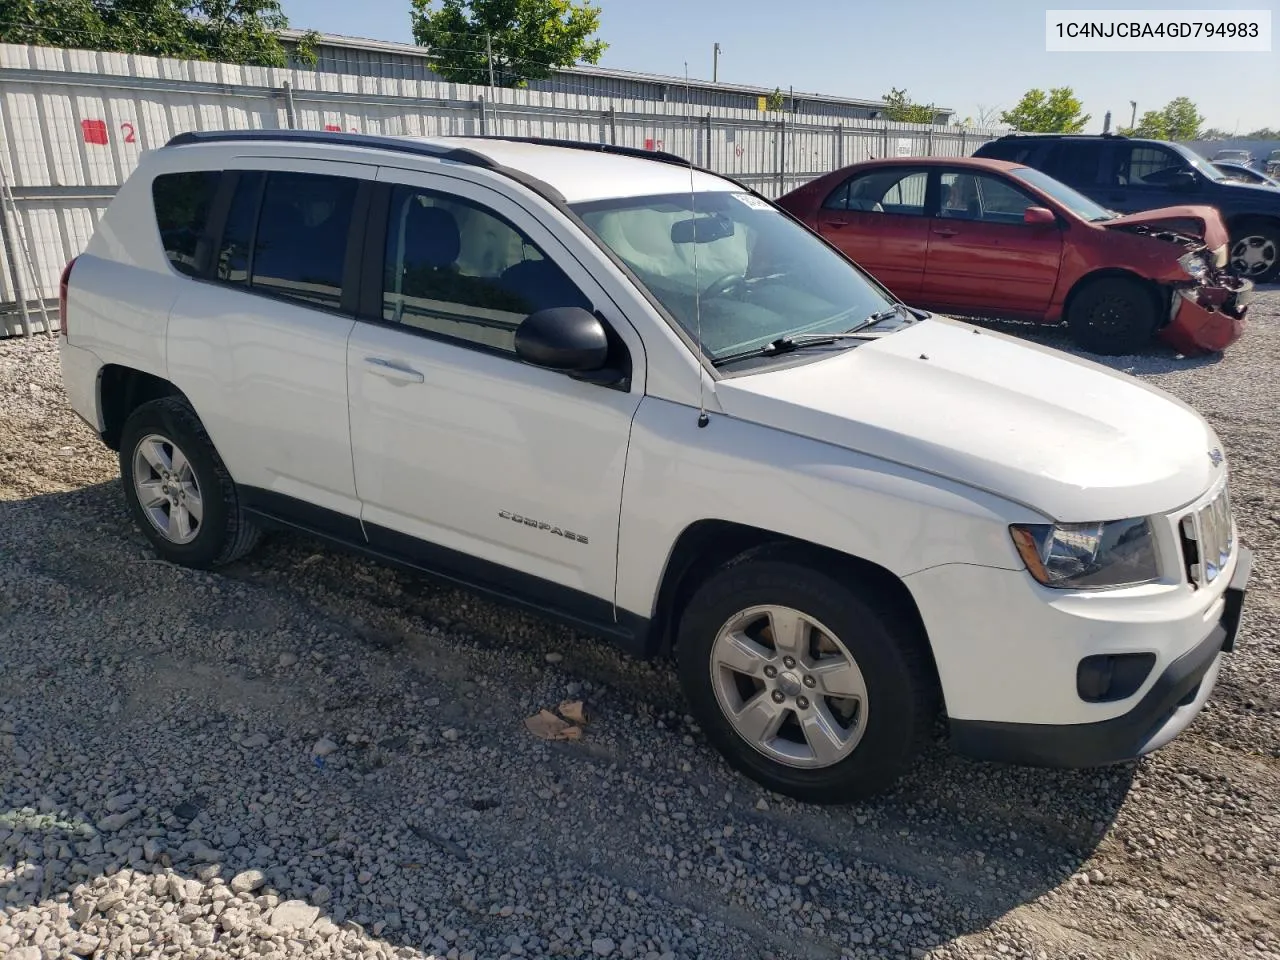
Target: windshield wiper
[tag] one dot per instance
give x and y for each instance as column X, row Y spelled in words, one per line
column 798, row 341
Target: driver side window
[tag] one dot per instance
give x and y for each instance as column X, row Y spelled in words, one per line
column 455, row 269
column 1147, row 165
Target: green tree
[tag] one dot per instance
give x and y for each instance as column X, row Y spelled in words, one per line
column 1176, row 120
column 235, row 31
column 775, row 100
column 1181, row 119
column 898, row 107
column 1265, row 133
column 526, row 39
column 1058, row 111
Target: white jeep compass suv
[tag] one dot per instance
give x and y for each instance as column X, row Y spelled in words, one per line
column 640, row 398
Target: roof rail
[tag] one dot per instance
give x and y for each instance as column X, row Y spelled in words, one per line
column 659, row 155
column 369, row 140
column 1065, row 136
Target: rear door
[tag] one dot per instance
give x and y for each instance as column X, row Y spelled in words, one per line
column 260, row 347
column 982, row 257
column 877, row 218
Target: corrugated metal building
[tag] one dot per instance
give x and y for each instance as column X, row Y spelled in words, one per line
column 377, row 58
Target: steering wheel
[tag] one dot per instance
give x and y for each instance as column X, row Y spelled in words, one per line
column 723, row 285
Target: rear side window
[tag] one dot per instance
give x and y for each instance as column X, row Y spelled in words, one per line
column 1015, row 151
column 182, row 204
column 1075, row 161
column 286, row 234
column 301, row 243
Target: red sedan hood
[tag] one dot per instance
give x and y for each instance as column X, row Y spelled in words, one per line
column 1202, row 222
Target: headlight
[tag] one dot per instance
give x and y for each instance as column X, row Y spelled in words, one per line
column 1193, row 265
column 1088, row 556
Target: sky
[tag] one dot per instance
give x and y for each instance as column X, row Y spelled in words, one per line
column 968, row 55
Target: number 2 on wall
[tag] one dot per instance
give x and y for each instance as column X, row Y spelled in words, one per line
column 127, row 129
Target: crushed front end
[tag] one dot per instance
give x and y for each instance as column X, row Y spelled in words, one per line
column 1206, row 302
column 1207, row 310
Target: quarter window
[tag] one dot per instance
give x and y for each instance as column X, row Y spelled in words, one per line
column 455, row 269
column 182, row 203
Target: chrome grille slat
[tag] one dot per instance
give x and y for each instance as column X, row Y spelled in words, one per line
column 1211, row 529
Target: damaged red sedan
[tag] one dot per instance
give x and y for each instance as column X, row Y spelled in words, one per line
column 988, row 238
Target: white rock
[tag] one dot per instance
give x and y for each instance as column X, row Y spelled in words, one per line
column 294, row 915
column 118, row 821
column 247, row 881
column 288, row 659
column 324, row 746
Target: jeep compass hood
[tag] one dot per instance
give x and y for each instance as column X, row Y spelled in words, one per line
column 1072, row 439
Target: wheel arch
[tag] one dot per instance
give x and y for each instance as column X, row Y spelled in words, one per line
column 710, row 545
column 121, row 390
column 1158, row 292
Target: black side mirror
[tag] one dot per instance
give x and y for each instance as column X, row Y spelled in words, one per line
column 570, row 339
column 1185, row 179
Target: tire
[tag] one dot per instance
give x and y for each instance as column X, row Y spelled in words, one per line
column 1254, row 251
column 1113, row 316
column 877, row 737
column 157, row 439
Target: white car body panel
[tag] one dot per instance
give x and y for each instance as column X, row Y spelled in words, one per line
column 1073, row 440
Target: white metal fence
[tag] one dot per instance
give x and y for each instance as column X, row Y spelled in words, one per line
column 73, row 124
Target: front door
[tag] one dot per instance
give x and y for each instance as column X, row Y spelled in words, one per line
column 983, row 258
column 467, row 459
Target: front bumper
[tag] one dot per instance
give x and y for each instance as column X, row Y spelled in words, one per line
column 1207, row 319
column 1169, row 706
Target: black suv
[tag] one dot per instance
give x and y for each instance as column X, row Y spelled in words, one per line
column 1130, row 175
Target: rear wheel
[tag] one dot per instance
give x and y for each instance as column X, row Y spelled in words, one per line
column 1112, row 316
column 802, row 683
column 1255, row 251
column 178, row 490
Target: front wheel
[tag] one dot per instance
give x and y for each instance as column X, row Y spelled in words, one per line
column 1114, row 316
column 802, row 683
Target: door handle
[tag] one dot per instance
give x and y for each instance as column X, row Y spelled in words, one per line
column 392, row 370
column 837, row 223
column 946, row 232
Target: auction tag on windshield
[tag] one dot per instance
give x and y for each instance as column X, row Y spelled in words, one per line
column 755, row 203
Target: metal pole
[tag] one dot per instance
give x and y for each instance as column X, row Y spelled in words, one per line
column 1133, row 117
column 613, row 126
column 488, row 51
column 715, row 63
column 839, row 145
column 782, row 155
column 291, row 114
column 706, row 160
column 10, row 250
column 484, row 119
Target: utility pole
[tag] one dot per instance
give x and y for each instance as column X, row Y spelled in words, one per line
column 715, row 63
column 1133, row 117
column 488, row 51
column 1106, row 123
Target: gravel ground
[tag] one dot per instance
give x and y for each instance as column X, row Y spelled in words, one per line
column 309, row 754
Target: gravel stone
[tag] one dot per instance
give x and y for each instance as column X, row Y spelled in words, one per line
column 160, row 747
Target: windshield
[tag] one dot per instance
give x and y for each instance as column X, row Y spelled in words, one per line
column 759, row 275
column 1073, row 200
column 1199, row 162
